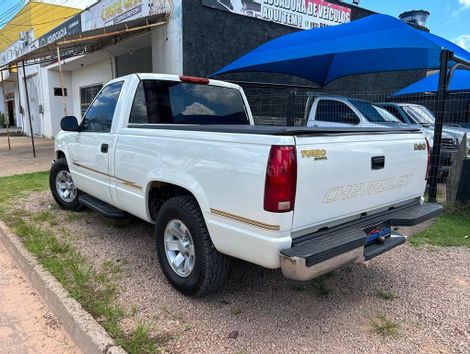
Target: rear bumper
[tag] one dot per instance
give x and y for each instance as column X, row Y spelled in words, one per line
column 322, row 252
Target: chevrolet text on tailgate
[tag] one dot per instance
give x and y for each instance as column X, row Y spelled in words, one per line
column 183, row 153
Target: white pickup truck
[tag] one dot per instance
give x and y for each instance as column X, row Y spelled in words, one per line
column 183, row 153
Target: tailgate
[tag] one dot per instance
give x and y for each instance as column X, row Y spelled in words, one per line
column 341, row 177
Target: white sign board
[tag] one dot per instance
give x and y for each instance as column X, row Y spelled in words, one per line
column 302, row 14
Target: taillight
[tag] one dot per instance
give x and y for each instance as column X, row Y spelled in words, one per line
column 281, row 179
column 194, row 80
column 428, row 167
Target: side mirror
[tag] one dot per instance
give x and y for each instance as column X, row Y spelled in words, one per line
column 69, row 124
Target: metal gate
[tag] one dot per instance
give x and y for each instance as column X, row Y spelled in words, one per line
column 33, row 92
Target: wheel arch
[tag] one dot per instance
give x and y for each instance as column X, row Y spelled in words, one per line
column 59, row 154
column 159, row 191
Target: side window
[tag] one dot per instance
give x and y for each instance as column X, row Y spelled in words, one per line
column 335, row 112
column 99, row 116
column 395, row 112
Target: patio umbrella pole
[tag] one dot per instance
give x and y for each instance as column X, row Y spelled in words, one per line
column 444, row 78
column 29, row 111
column 64, row 99
column 7, row 121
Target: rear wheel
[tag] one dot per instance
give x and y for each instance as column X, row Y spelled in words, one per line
column 62, row 186
column 185, row 251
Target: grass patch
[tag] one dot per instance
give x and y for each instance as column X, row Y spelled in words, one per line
column 20, row 186
column 46, row 217
column 318, row 286
column 94, row 289
column 451, row 229
column 386, row 295
column 73, row 216
column 139, row 341
column 384, row 327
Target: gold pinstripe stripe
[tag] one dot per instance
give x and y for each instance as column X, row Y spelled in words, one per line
column 245, row 220
column 213, row 211
column 123, row 181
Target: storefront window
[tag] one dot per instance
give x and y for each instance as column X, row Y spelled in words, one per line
column 87, row 95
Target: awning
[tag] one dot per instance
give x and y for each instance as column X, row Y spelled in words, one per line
column 88, row 42
column 460, row 81
column 378, row 43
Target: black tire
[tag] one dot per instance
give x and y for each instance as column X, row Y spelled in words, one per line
column 58, row 166
column 210, row 267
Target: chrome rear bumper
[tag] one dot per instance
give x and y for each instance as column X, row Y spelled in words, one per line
column 296, row 267
column 325, row 251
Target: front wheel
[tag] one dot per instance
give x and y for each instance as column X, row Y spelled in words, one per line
column 185, row 251
column 62, row 187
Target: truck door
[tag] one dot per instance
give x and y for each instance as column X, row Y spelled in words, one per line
column 91, row 151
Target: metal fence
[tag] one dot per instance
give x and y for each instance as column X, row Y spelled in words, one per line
column 295, row 106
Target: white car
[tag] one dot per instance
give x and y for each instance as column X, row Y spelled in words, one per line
column 183, row 153
column 340, row 111
column 415, row 114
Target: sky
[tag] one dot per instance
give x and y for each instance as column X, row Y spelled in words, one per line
column 449, row 18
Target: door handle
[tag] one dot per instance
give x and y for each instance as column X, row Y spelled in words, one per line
column 104, row 148
column 378, row 162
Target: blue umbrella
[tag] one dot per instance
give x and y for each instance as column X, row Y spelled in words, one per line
column 460, row 81
column 376, row 43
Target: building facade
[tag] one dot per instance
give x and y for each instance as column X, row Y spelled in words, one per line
column 33, row 21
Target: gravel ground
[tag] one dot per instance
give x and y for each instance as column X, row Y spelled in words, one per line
column 259, row 311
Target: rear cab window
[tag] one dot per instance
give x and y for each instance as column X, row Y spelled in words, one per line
column 169, row 102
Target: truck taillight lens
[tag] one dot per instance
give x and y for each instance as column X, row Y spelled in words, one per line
column 281, row 179
column 428, row 167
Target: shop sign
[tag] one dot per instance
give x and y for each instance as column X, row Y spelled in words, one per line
column 302, row 14
column 69, row 27
column 12, row 52
column 111, row 12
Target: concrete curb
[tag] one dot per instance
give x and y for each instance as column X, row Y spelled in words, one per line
column 87, row 334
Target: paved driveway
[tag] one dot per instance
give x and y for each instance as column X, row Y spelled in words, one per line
column 20, row 158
